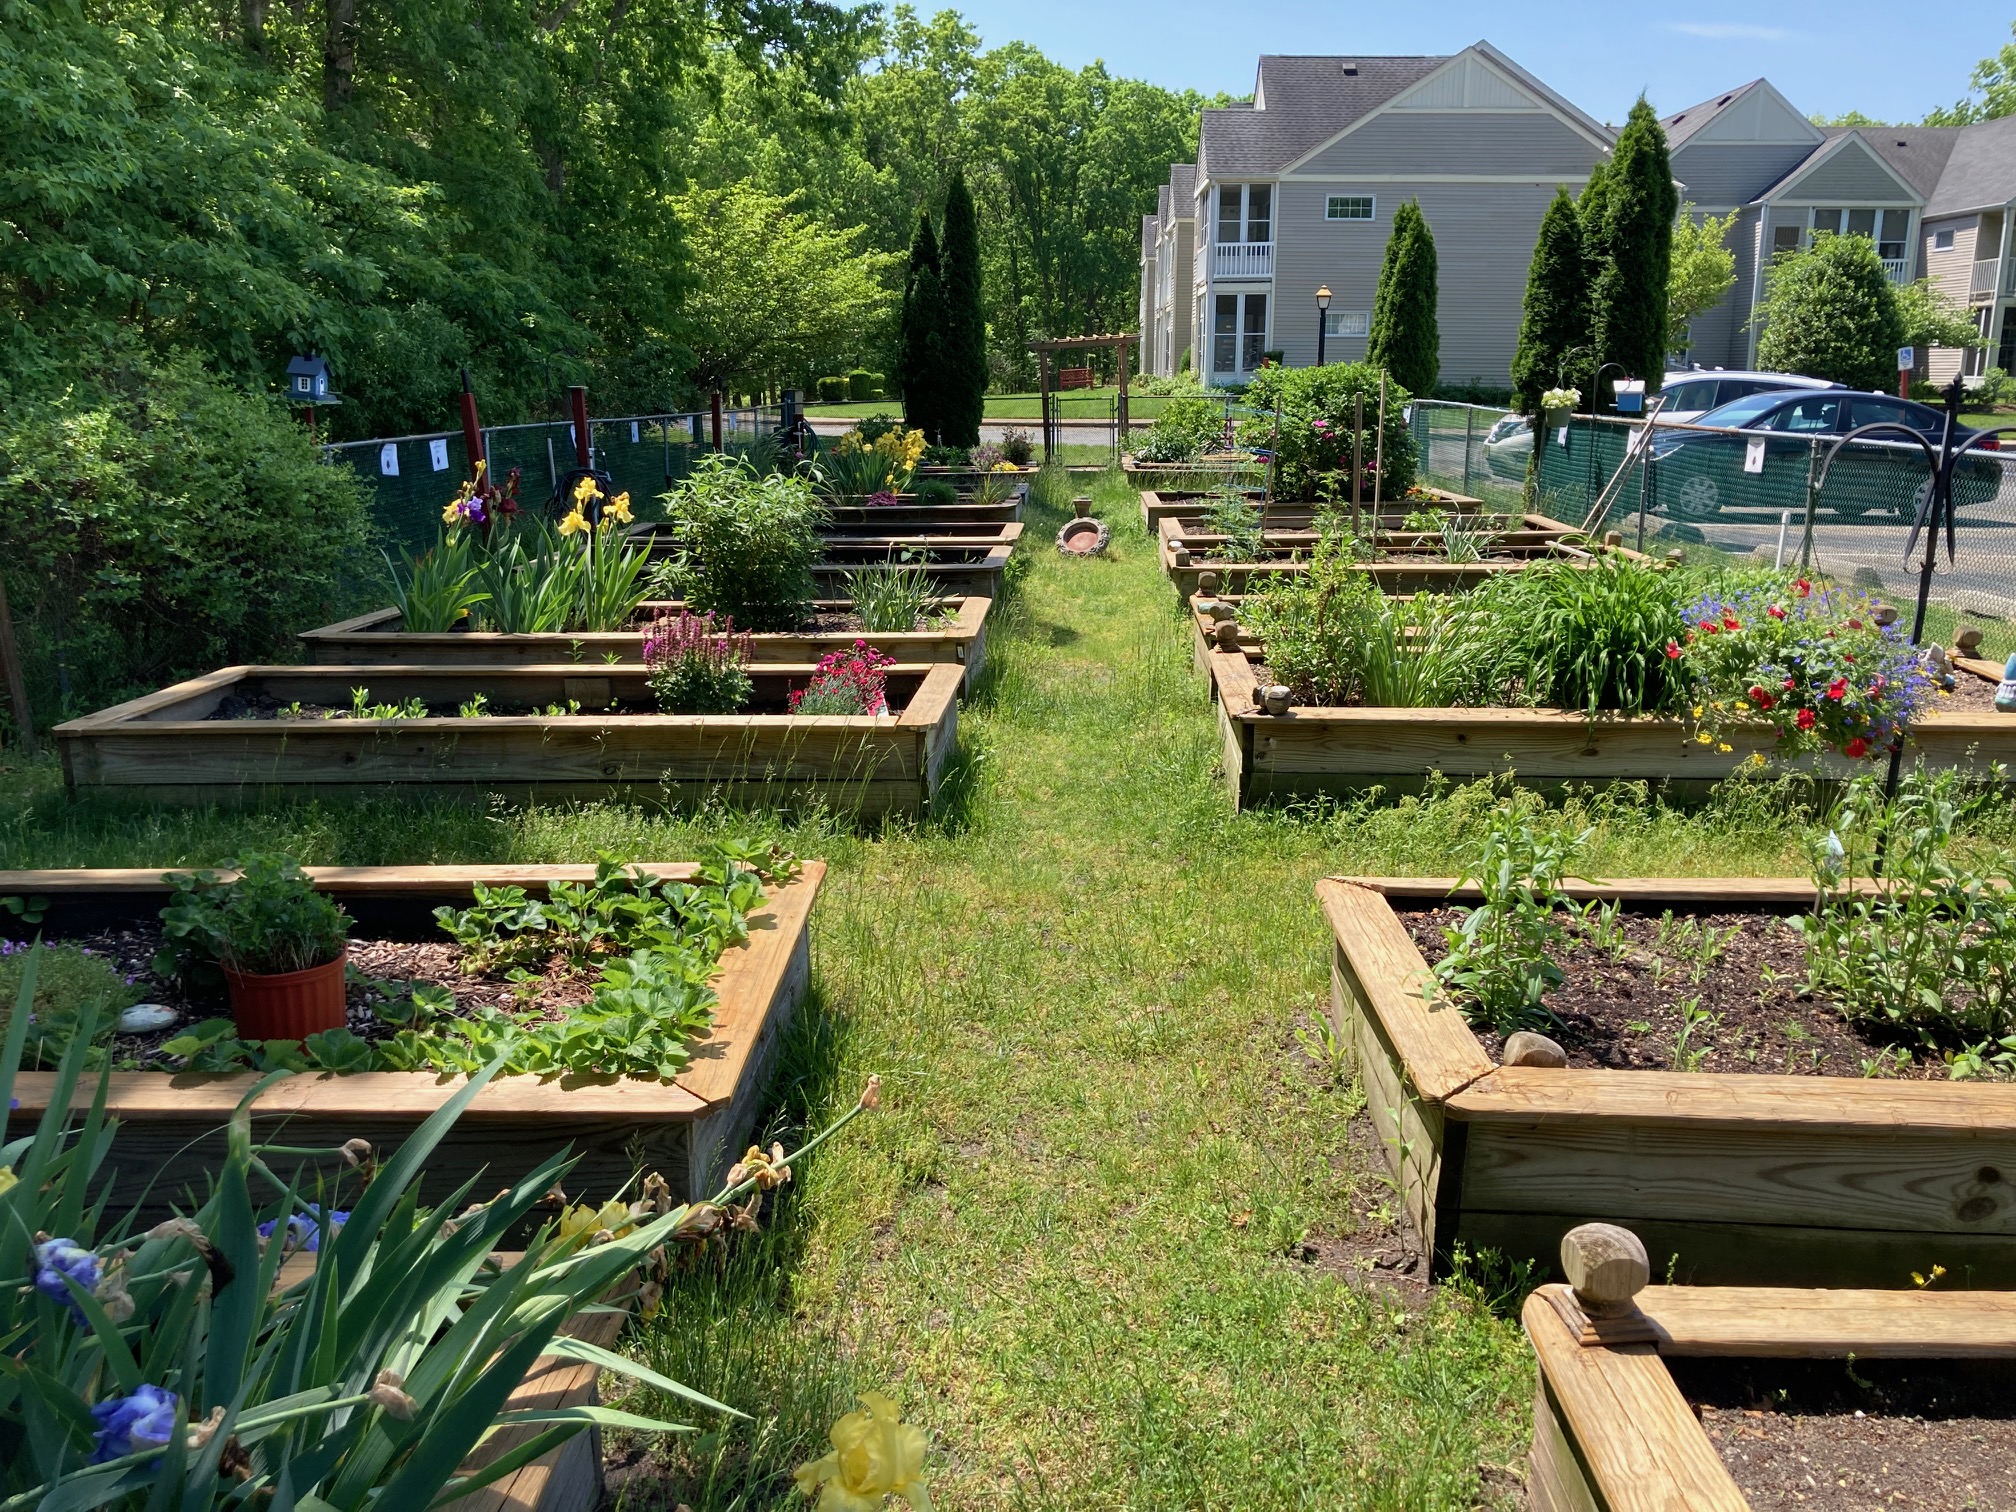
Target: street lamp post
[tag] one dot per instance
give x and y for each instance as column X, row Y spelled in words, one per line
column 1322, row 319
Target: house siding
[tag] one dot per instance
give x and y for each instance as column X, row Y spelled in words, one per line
column 1952, row 272
column 1852, row 176
column 1469, row 141
column 1182, row 295
column 1484, row 236
column 1725, row 175
column 1718, row 338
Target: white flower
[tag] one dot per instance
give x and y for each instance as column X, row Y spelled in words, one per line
column 1561, row 398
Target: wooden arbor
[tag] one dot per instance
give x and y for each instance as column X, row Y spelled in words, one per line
column 1118, row 341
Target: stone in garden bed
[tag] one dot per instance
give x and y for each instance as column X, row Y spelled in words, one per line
column 1729, row 1399
column 689, row 1128
column 955, row 630
column 171, row 746
column 1738, row 1175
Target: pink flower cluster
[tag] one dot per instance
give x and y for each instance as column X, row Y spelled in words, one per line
column 678, row 637
column 846, row 682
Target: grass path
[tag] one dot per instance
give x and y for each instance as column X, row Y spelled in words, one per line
column 1091, row 1241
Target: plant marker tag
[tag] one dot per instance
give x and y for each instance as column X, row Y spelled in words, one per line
column 1561, row 435
column 388, row 460
column 437, row 453
column 1753, row 456
column 633, row 430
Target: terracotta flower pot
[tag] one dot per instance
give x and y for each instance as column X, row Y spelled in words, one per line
column 289, row 1005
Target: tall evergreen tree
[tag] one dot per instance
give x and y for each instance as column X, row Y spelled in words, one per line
column 1554, row 327
column 965, row 338
column 1592, row 211
column 1629, row 316
column 924, row 321
column 1405, row 338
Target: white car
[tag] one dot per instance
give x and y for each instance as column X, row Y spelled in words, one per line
column 1690, row 393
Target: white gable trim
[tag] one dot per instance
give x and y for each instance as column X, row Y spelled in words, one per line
column 1777, row 194
column 1711, row 131
column 1481, row 54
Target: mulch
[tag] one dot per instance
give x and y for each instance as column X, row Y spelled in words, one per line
column 1928, row 1436
column 1624, row 1008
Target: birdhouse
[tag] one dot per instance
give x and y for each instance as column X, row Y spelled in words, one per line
column 1630, row 396
column 308, row 380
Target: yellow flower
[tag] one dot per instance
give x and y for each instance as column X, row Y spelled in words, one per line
column 584, row 491
column 618, row 509
column 8, row 1180
column 576, row 523
column 875, row 1455
column 582, row 1219
column 452, row 513
column 1697, row 711
column 1705, row 738
column 1006, row 466
column 1724, row 747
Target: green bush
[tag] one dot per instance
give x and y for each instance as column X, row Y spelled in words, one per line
column 863, row 385
column 1190, row 425
column 832, row 390
column 156, row 522
column 747, row 544
column 1312, row 449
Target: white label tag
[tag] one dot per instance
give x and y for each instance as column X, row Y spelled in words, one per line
column 633, row 430
column 437, row 453
column 1753, row 455
column 388, row 460
column 1561, row 436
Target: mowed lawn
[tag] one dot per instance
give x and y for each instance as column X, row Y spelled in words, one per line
column 1110, row 1240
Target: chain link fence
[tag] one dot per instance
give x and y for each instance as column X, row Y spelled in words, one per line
column 412, row 478
column 1751, row 497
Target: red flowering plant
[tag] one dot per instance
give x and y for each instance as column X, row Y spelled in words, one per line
column 697, row 665
column 1810, row 662
column 846, row 682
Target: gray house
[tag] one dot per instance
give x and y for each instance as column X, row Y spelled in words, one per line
column 1166, row 278
column 1934, row 199
column 1297, row 189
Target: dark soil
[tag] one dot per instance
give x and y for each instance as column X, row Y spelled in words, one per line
column 1622, row 1004
column 379, row 971
column 1935, row 1436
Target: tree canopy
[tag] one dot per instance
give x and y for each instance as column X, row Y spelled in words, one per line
column 1405, row 336
column 1829, row 311
column 1991, row 91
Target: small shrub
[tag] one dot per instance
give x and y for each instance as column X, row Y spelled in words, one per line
column 1312, row 444
column 864, row 386
column 695, row 666
column 846, row 682
column 747, row 544
column 872, row 428
column 831, row 390
column 1499, row 966
column 1018, row 446
column 936, row 491
column 1190, row 426
column 1232, row 515
column 267, row 920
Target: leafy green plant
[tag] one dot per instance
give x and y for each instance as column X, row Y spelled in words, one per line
column 936, row 492
column 1589, row 637
column 994, row 488
column 1240, row 521
column 747, row 544
column 266, row 920
column 1319, row 410
column 1190, row 425
column 695, row 668
column 1499, row 966
column 436, row 590
column 1930, row 957
column 530, row 584
column 1465, row 540
column 72, row 985
column 361, row 707
column 892, row 600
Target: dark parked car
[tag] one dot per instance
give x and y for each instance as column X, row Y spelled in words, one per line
column 1698, row 469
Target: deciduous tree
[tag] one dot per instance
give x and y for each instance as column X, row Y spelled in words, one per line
column 1830, row 311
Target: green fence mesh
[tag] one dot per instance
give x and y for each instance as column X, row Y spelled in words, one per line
column 412, row 478
column 1748, row 496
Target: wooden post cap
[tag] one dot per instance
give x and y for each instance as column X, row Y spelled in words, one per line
column 1606, row 1266
column 1968, row 641
column 1179, row 554
column 1207, row 582
column 1676, row 556
column 1277, row 699
column 1525, row 1048
column 1227, row 633
column 1613, row 538
column 1885, row 614
column 1220, row 610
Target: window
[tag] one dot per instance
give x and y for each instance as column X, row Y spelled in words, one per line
column 1688, row 397
column 1807, row 415
column 1238, row 332
column 1259, row 212
column 1786, row 238
column 1245, row 213
column 1347, row 322
column 1942, row 241
column 1878, row 411
column 1349, row 207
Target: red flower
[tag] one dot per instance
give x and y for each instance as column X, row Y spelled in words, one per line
column 1804, row 587
column 1804, row 719
column 1729, row 620
column 1854, row 624
column 1837, row 689
column 1847, row 658
column 1856, row 748
column 1672, row 651
column 1762, row 699
column 1775, row 612
column 1790, row 685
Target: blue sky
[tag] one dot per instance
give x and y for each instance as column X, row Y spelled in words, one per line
column 1893, row 60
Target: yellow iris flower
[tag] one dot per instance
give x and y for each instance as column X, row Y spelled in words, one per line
column 582, row 1219
column 576, row 522
column 8, row 1179
column 452, row 513
column 584, row 491
column 618, row 509
column 875, row 1455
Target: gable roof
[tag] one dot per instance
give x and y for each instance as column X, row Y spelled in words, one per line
column 1918, row 154
column 1299, row 103
column 1980, row 168
column 1683, row 125
column 1838, row 142
column 1182, row 189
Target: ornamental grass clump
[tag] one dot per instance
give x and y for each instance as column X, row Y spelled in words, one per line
column 846, row 682
column 1587, row 638
column 695, row 666
column 1811, row 663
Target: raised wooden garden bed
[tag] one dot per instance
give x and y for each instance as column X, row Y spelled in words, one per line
column 1159, row 504
column 1305, row 750
column 180, row 745
column 1816, row 1180
column 962, row 561
column 374, row 639
column 1406, row 563
column 689, row 1129
column 1614, row 1430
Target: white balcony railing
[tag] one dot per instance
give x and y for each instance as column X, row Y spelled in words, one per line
column 1242, row 260
column 1899, row 269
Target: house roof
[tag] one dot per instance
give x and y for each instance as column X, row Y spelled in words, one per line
column 1980, row 169
column 1919, row 154
column 1182, row 189
column 1682, row 124
column 1149, row 232
column 1299, row 103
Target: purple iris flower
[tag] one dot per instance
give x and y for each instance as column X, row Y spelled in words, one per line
column 57, row 1258
column 304, row 1230
column 133, row 1424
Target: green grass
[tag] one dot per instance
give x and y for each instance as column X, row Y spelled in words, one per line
column 1071, row 1242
